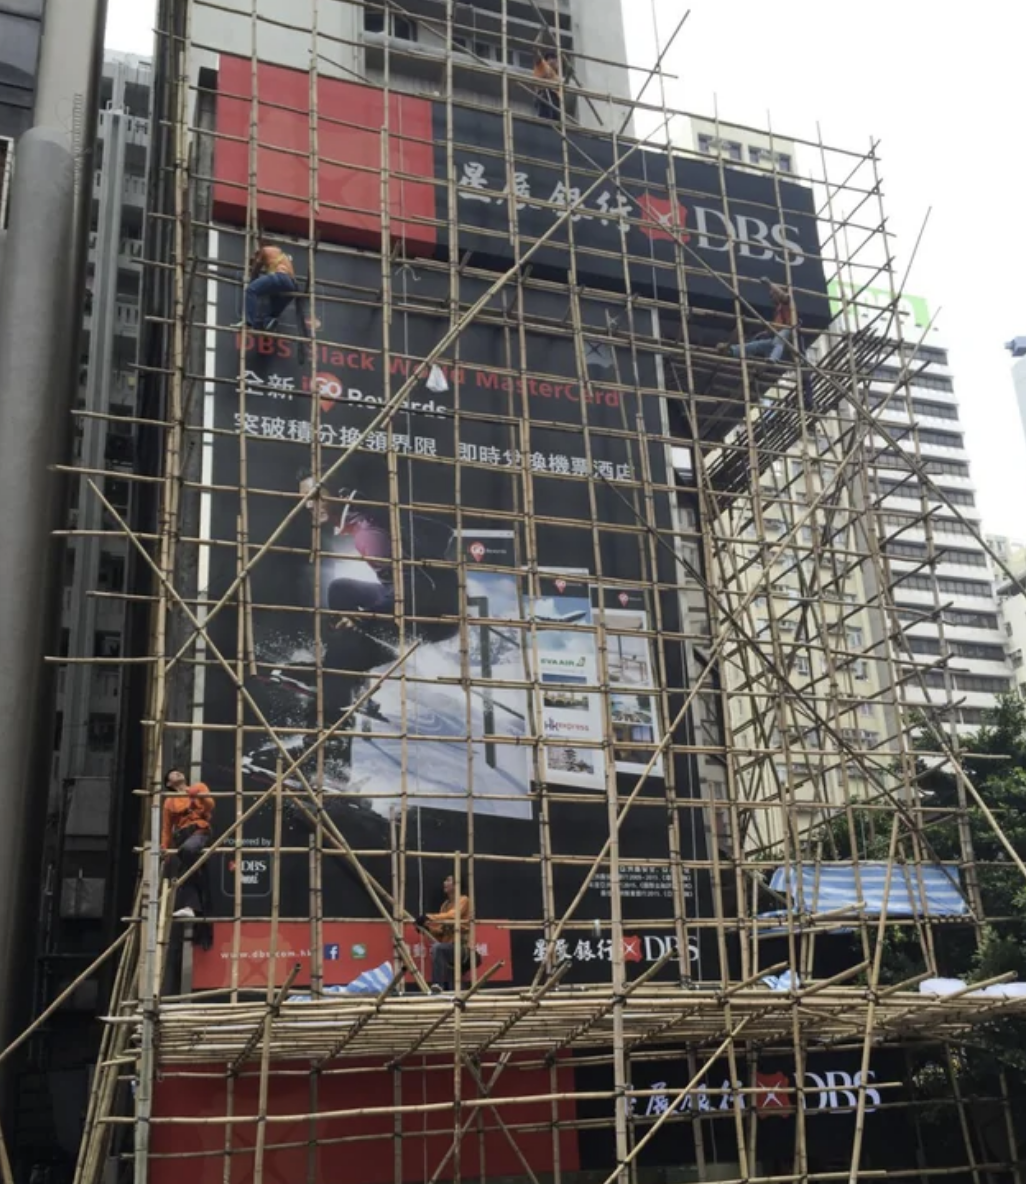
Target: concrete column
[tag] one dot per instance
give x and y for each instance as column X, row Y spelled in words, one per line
column 36, row 336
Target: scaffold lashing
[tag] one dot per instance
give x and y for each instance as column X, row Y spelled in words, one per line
column 525, row 628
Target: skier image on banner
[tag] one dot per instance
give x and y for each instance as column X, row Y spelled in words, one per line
column 358, row 578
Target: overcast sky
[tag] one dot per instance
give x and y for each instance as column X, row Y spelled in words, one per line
column 940, row 86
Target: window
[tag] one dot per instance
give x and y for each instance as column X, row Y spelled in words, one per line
column 959, row 649
column 966, row 558
column 981, row 684
column 933, row 466
column 931, row 353
column 855, row 637
column 101, row 731
column 398, row 26
column 111, row 572
column 937, row 410
column 902, row 550
column 894, row 374
column 986, row 684
column 767, row 159
column 907, row 489
column 107, row 645
column 954, row 616
column 116, row 491
column 120, row 411
column 1008, row 628
column 1016, row 658
column 714, row 146
column 941, row 439
column 860, row 670
column 802, row 665
column 952, row 526
column 19, row 51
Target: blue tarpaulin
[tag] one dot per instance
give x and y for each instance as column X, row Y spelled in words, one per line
column 916, row 890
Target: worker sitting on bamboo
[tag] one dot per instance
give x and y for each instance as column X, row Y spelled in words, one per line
column 442, row 927
column 770, row 345
column 546, row 70
column 184, row 835
column 272, row 282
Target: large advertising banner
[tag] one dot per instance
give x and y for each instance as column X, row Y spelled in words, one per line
column 525, row 648
column 674, row 215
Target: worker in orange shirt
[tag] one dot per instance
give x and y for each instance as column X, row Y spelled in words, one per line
column 272, row 279
column 184, row 835
column 442, row 927
column 546, row 70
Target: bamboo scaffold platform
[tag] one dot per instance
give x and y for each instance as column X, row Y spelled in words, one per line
column 518, row 1022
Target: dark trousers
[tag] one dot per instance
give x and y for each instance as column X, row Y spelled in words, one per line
column 277, row 289
column 443, row 957
column 443, row 962
column 546, row 105
column 191, row 844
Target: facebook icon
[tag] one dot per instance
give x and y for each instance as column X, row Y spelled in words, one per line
column 331, row 952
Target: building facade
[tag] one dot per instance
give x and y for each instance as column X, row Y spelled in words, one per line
column 493, row 58
column 943, row 588
column 21, row 27
column 82, row 854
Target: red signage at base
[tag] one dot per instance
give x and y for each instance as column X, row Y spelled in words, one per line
column 368, row 1154
column 348, row 949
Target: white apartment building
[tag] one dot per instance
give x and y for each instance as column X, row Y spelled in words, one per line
column 940, row 574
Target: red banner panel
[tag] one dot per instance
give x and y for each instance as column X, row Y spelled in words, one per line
column 369, row 1158
column 350, row 948
column 350, row 118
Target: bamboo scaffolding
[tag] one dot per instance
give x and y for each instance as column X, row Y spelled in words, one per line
column 758, row 758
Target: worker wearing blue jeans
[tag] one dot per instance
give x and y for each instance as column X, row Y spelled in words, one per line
column 770, row 345
column 273, row 282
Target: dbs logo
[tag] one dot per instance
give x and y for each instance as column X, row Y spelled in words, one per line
column 660, row 211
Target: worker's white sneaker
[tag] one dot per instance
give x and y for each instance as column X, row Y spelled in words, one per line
column 184, row 912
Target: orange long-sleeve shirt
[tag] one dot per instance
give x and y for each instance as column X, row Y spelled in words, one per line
column 442, row 925
column 195, row 807
column 545, row 71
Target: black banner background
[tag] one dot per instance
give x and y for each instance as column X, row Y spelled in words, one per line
column 490, row 488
